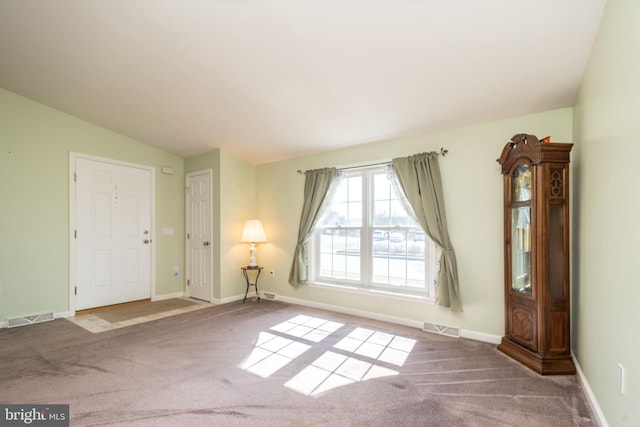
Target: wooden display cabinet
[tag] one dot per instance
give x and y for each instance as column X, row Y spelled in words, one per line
column 536, row 254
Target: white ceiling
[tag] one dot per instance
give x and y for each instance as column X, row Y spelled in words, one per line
column 268, row 80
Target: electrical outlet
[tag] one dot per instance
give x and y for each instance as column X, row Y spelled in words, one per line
column 272, row 274
column 621, row 378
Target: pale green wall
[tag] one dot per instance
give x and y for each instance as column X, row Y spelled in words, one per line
column 237, row 199
column 606, row 226
column 234, row 184
column 35, row 142
column 473, row 199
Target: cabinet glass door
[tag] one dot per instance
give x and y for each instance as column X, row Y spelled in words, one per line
column 521, row 229
column 521, row 249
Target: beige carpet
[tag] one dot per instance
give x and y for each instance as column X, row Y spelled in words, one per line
column 120, row 317
column 278, row 365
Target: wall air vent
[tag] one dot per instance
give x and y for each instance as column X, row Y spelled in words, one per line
column 442, row 330
column 29, row 320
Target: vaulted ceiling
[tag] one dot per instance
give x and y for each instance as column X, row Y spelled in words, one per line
column 268, row 80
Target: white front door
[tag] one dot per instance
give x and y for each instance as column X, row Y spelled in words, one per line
column 113, row 233
column 199, row 256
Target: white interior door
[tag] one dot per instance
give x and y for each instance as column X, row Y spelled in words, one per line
column 199, row 235
column 113, row 233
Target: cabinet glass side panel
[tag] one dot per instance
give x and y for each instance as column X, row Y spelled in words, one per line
column 556, row 252
column 521, row 249
column 521, row 184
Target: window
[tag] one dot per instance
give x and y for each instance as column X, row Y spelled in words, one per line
column 365, row 238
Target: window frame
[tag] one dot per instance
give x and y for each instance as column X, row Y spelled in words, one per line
column 365, row 283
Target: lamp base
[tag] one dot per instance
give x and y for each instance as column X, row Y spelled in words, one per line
column 252, row 255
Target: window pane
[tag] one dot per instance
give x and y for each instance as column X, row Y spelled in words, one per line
column 381, row 213
column 387, row 209
column 381, row 186
column 399, row 214
column 382, row 196
column 399, row 258
column 396, row 247
column 340, row 254
column 354, row 214
column 346, row 207
column 355, row 188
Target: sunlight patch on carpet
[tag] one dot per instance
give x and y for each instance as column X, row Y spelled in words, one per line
column 361, row 355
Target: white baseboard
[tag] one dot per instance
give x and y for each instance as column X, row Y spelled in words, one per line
column 464, row 333
column 480, row 336
column 591, row 398
column 228, row 299
column 354, row 312
column 213, row 300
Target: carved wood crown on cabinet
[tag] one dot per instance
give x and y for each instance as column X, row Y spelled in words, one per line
column 536, row 254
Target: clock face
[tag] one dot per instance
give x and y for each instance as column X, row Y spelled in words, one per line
column 522, row 183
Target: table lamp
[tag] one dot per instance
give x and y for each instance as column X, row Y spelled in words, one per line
column 253, row 233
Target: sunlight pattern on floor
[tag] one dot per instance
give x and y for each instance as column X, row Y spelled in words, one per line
column 377, row 345
column 332, row 370
column 271, row 353
column 309, row 328
column 355, row 358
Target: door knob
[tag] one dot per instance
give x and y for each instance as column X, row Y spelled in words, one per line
column 205, row 243
column 146, row 241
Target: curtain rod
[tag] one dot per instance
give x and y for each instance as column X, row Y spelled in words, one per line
column 443, row 152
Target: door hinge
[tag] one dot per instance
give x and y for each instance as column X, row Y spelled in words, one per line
column 75, row 234
column 188, row 284
column 75, row 290
column 75, row 177
column 188, row 236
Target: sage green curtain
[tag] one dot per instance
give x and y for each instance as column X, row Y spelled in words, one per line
column 419, row 177
column 316, row 186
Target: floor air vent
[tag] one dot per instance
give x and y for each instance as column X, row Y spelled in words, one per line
column 29, row 320
column 442, row 330
column 269, row 295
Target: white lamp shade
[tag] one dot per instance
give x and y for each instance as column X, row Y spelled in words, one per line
column 253, row 231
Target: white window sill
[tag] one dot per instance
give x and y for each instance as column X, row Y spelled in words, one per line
column 373, row 292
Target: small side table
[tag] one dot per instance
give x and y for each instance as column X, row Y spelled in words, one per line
column 245, row 271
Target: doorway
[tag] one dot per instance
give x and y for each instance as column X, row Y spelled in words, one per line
column 111, row 232
column 199, row 249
